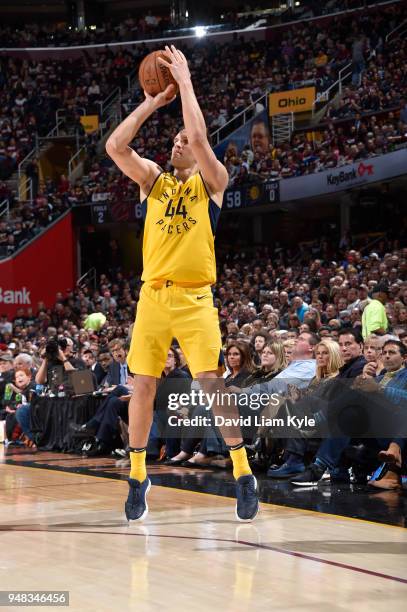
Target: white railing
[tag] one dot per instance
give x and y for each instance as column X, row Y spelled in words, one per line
column 237, row 121
column 5, row 208
column 400, row 27
column 54, row 132
column 111, row 120
column 61, row 112
column 113, row 98
column 88, row 277
column 25, row 189
column 131, row 77
column 24, row 183
column 74, row 161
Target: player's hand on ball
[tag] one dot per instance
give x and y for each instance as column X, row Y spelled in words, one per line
column 178, row 66
column 163, row 98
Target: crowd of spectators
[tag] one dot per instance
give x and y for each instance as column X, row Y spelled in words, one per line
column 360, row 138
column 278, row 299
column 357, row 127
column 235, row 74
column 147, row 25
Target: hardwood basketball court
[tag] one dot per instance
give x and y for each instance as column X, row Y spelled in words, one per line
column 66, row 530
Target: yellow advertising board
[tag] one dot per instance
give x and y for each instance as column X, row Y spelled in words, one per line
column 293, row 101
column 90, row 123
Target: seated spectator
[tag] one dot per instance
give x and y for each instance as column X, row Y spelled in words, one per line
column 173, row 380
column 328, row 364
column 259, row 341
column 289, row 350
column 101, row 367
column 15, row 409
column 302, row 368
column 272, row 363
column 330, row 450
column 372, row 351
column 238, row 363
column 6, row 371
column 118, row 372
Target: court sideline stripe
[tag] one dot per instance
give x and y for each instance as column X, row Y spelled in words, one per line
column 282, row 551
column 322, row 515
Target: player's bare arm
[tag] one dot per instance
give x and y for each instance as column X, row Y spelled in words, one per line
column 142, row 171
column 214, row 173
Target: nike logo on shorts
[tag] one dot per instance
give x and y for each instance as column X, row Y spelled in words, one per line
column 201, row 297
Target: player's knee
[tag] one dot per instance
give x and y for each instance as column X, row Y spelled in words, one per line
column 144, row 386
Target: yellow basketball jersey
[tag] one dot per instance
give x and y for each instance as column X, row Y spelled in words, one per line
column 180, row 223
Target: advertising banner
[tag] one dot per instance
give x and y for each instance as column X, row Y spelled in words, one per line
column 90, row 123
column 346, row 177
column 41, row 269
column 255, row 133
column 292, row 101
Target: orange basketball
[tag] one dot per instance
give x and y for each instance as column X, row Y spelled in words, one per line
column 154, row 77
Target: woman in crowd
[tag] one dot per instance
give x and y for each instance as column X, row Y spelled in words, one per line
column 329, row 361
column 272, row 362
column 238, row 362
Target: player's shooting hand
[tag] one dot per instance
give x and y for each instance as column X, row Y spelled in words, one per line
column 178, row 65
column 163, row 98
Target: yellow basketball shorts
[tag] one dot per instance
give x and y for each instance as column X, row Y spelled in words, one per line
column 187, row 314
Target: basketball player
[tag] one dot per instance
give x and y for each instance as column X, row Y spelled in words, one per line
column 181, row 212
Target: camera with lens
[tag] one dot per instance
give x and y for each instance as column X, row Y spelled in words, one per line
column 52, row 349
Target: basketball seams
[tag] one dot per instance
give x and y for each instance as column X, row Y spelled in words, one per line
column 155, row 78
column 156, row 55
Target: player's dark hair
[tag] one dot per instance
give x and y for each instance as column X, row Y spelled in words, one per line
column 402, row 347
column 351, row 332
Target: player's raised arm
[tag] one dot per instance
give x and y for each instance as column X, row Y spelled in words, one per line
column 142, row 171
column 213, row 172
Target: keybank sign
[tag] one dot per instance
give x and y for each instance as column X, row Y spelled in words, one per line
column 352, row 175
column 10, row 296
column 334, row 180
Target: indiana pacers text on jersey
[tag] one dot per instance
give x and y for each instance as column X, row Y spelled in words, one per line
column 180, row 222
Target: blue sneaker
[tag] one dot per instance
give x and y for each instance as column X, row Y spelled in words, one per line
column 286, row 470
column 136, row 507
column 247, row 505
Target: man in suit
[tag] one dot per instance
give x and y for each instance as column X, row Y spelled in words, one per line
column 104, row 425
column 118, row 372
column 99, row 367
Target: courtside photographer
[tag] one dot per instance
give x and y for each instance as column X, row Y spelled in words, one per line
column 55, row 365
